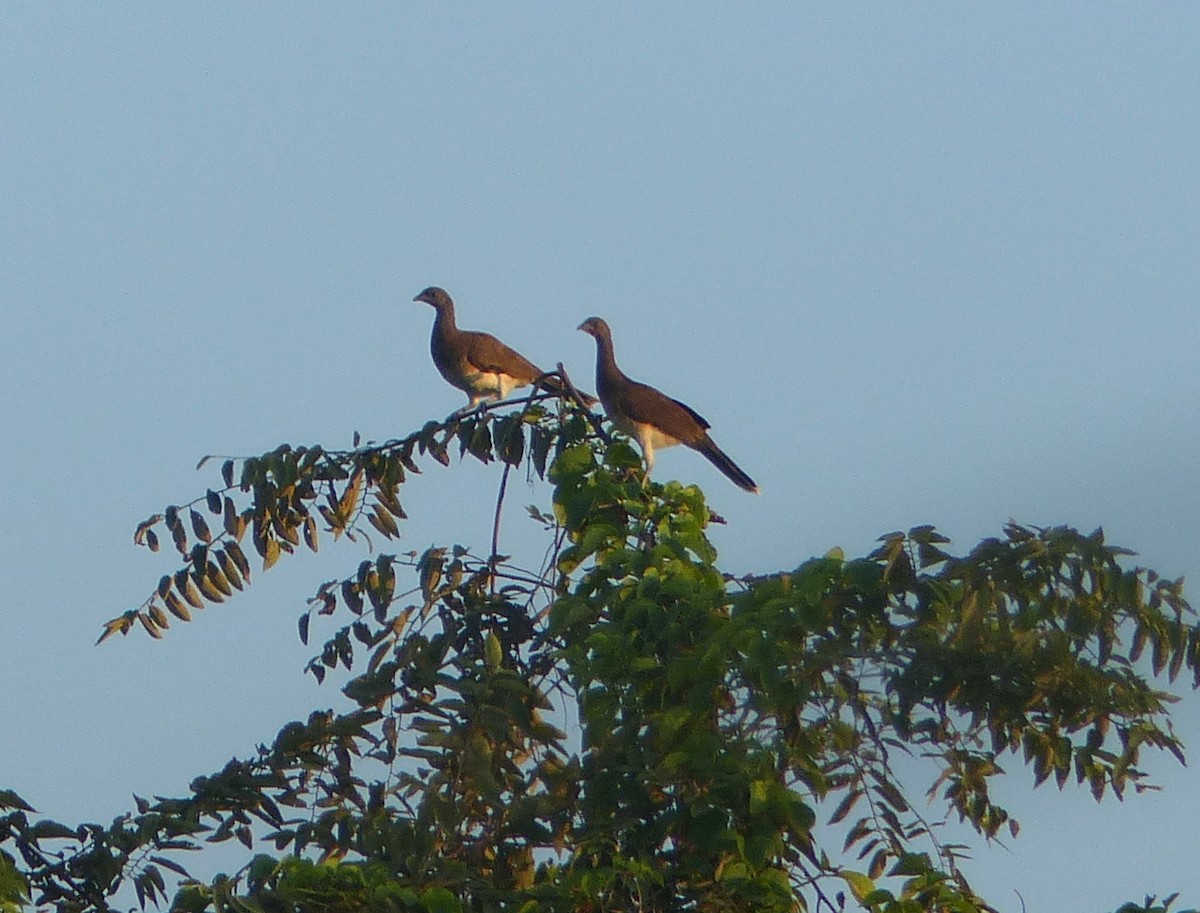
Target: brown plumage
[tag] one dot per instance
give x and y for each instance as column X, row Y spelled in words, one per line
column 479, row 364
column 654, row 419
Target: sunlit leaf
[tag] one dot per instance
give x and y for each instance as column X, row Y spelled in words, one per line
column 148, row 623
column 176, row 607
column 271, row 552
column 383, row 521
column 208, row 587
column 187, row 589
column 158, row 614
column 239, row 558
column 860, row 885
column 493, row 651
column 229, row 569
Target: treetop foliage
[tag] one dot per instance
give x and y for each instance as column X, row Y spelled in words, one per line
column 625, row 727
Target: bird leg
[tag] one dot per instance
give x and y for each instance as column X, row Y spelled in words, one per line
column 646, row 442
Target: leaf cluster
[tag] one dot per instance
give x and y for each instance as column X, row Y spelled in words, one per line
column 625, row 727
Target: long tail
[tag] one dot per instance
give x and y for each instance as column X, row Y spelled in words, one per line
column 732, row 470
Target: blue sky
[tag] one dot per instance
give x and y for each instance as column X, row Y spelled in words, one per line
column 915, row 264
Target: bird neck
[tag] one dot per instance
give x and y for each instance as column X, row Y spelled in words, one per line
column 444, row 322
column 606, row 361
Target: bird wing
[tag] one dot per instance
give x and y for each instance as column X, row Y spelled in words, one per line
column 487, row 353
column 642, row 404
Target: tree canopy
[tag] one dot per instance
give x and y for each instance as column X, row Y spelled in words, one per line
column 626, row 727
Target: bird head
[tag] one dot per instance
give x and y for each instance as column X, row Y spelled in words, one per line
column 436, row 297
column 595, row 326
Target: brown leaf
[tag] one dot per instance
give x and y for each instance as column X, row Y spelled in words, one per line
column 239, row 558
column 159, row 616
column 187, row 589
column 229, row 569
column 230, row 518
column 270, row 553
column 209, row 589
column 176, row 607
column 214, row 573
column 200, row 527
column 150, row 627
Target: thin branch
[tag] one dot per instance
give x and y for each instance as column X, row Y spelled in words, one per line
column 495, row 554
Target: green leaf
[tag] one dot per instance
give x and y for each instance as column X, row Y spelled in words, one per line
column 760, row 795
column 493, row 651
column 9, row 799
column 860, row 885
column 912, row 864
column 14, row 889
column 440, row 900
column 52, row 830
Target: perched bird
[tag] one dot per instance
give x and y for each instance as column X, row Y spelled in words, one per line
column 479, row 364
column 652, row 417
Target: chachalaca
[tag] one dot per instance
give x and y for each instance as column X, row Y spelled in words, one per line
column 652, row 417
column 478, row 363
